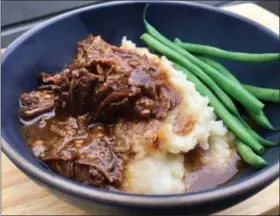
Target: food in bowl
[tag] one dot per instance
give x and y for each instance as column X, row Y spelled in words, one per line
column 123, row 118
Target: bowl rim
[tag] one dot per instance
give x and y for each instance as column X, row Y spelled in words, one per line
column 256, row 180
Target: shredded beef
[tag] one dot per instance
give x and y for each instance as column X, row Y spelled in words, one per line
column 100, row 156
column 90, row 158
column 105, row 90
column 109, row 82
column 36, row 103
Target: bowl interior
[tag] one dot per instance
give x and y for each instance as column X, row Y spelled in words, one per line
column 51, row 47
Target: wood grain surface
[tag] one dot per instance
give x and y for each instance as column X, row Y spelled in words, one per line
column 20, row 196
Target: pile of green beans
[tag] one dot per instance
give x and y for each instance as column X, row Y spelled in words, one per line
column 214, row 81
column 250, row 102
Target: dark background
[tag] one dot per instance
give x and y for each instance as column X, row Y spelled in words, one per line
column 19, row 16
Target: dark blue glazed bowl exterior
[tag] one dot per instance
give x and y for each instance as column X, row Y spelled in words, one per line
column 51, row 46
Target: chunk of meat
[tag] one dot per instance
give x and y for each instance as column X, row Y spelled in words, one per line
column 99, row 155
column 116, row 99
column 39, row 149
column 64, row 168
column 36, row 103
column 29, row 99
column 144, row 107
column 65, row 128
column 167, row 100
column 131, row 81
column 80, row 173
column 109, row 83
column 56, row 79
column 143, row 80
column 75, row 92
column 88, row 158
column 95, row 178
column 60, row 150
column 83, row 121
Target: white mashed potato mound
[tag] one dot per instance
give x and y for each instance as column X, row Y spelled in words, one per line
column 220, row 151
column 157, row 174
column 154, row 174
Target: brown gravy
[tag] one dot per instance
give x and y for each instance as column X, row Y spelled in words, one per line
column 202, row 176
column 85, row 155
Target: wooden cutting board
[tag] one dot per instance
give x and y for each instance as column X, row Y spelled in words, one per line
column 20, row 196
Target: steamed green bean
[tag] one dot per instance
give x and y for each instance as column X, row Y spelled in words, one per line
column 249, row 156
column 219, row 67
column 262, row 120
column 266, row 94
column 236, row 56
column 257, row 137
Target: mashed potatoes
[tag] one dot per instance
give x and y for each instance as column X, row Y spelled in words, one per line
column 157, row 174
column 190, row 125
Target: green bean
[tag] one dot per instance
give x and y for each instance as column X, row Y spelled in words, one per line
column 256, row 136
column 266, row 94
column 236, row 56
column 229, row 86
column 262, row 120
column 219, row 67
column 230, row 121
column 224, row 98
column 249, row 156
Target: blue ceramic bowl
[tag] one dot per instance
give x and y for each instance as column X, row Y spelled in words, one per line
column 50, row 46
